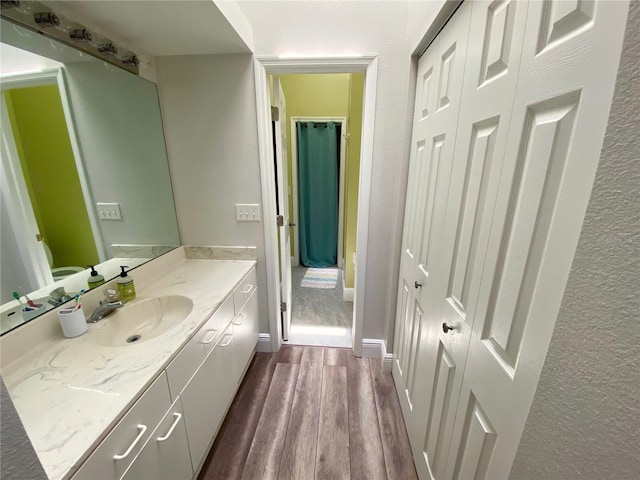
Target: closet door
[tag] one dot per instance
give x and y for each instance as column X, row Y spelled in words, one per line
column 440, row 73
column 567, row 74
column 408, row 311
column 462, row 216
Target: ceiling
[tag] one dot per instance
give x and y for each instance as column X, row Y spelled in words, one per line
column 161, row 27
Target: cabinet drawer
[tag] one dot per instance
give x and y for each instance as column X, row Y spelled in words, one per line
column 114, row 455
column 245, row 333
column 181, row 369
column 207, row 395
column 243, row 292
column 165, row 456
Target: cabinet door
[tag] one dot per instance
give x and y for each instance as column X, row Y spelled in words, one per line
column 181, row 369
column 114, row 455
column 245, row 332
column 246, row 288
column 166, row 455
column 206, row 397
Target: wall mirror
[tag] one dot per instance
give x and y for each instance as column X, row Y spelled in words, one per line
column 85, row 177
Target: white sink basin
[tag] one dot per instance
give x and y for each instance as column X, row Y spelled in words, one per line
column 142, row 320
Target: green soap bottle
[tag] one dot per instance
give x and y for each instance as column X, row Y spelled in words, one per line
column 126, row 288
column 95, row 279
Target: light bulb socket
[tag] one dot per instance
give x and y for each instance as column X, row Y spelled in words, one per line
column 131, row 61
column 78, row 35
column 127, row 57
column 106, row 49
column 46, row 19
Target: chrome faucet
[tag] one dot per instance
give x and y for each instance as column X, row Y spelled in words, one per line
column 108, row 305
column 103, row 310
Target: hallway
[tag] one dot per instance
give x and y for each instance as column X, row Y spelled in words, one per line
column 308, row 413
column 319, row 316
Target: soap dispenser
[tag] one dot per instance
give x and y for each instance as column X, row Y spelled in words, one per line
column 95, row 279
column 126, row 288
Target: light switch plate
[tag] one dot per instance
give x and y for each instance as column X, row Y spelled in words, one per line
column 248, row 212
column 109, row 211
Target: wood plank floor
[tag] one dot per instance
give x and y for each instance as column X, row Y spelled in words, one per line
column 312, row 413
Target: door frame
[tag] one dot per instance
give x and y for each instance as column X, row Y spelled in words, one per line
column 294, row 183
column 284, row 64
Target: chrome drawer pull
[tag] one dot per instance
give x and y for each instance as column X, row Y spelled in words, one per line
column 247, row 289
column 226, row 344
column 242, row 316
column 209, row 340
column 173, row 427
column 142, row 428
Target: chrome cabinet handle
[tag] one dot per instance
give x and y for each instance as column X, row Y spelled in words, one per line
column 173, row 427
column 143, row 429
column 247, row 289
column 446, row 328
column 226, row 344
column 210, row 339
column 242, row 316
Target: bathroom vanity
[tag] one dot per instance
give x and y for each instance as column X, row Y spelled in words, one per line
column 143, row 393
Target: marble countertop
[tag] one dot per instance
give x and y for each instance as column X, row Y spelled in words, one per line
column 69, row 393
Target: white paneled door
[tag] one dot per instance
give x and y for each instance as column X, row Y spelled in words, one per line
column 500, row 179
column 280, row 138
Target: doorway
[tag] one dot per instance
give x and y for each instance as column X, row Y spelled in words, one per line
column 277, row 235
column 319, row 162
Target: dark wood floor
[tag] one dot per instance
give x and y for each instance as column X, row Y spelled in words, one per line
column 310, row 412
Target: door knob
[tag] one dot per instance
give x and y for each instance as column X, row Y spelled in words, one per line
column 417, row 285
column 446, row 328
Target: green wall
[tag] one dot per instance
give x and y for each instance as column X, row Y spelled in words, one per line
column 48, row 164
column 329, row 95
column 356, row 92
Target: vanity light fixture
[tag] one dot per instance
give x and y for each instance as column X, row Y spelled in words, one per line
column 99, row 42
column 35, row 16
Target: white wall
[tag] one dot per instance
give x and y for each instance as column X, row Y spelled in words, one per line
column 585, row 421
column 209, row 110
column 421, row 15
column 307, row 28
column 117, row 119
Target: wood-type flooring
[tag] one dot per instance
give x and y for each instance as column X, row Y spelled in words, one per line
column 312, row 413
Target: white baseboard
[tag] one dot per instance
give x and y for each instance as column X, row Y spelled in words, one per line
column 295, row 262
column 264, row 343
column 347, row 293
column 375, row 348
column 387, row 362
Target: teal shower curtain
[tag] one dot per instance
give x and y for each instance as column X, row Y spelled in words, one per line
column 318, row 167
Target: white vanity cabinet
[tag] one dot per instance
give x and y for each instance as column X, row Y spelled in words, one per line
column 165, row 456
column 114, row 455
column 169, row 430
column 182, row 368
column 245, row 335
column 206, row 397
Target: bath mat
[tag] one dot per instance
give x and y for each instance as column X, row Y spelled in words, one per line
column 320, row 278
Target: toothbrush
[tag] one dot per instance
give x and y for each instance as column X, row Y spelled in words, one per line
column 78, row 303
column 30, row 302
column 16, row 295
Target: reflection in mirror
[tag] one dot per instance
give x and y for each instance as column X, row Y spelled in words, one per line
column 85, row 177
